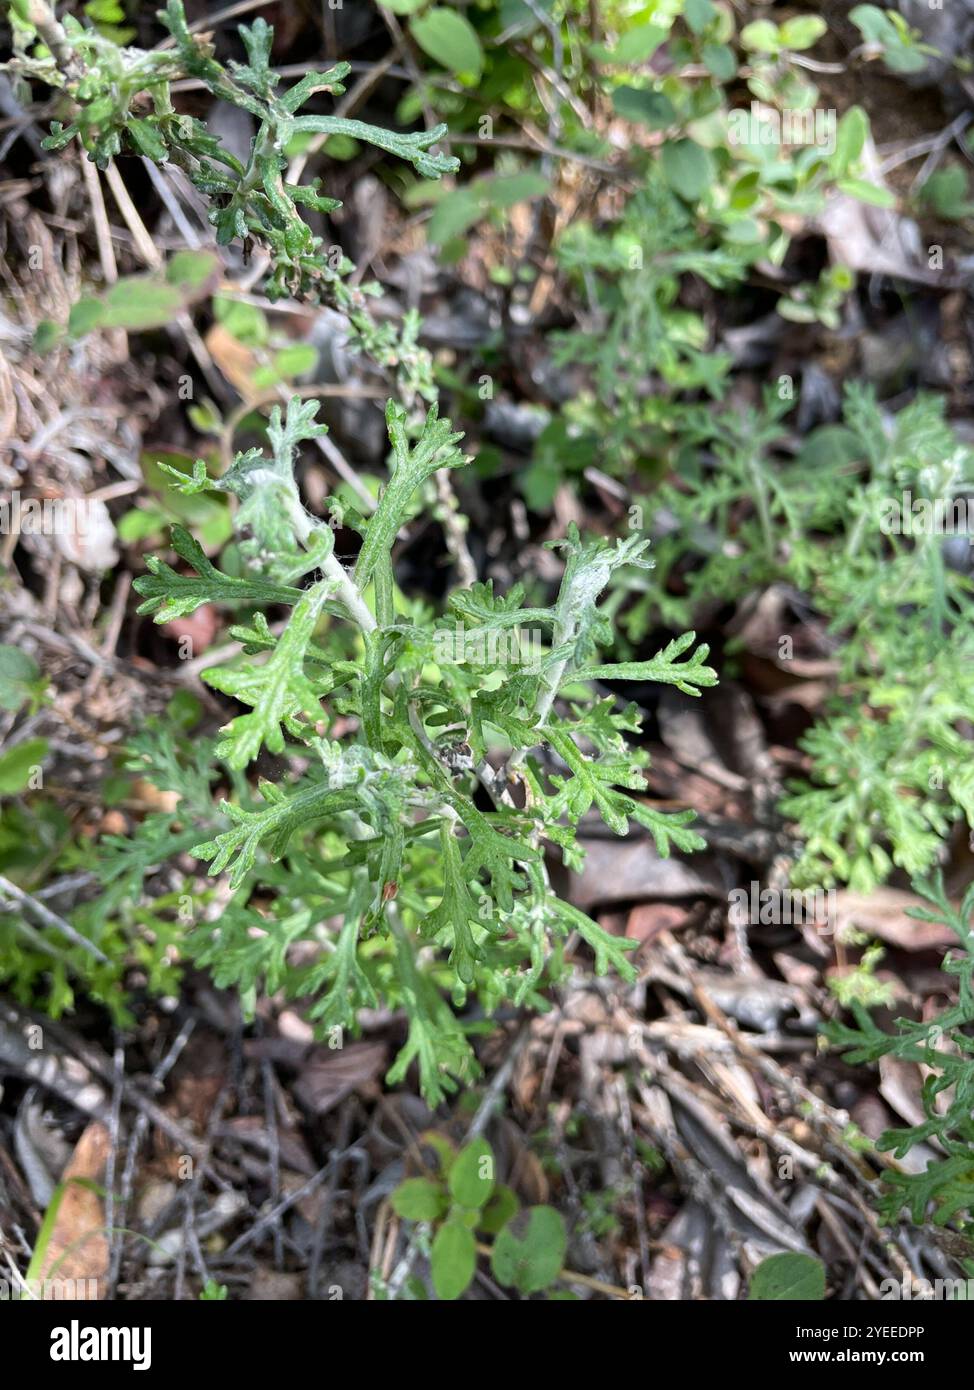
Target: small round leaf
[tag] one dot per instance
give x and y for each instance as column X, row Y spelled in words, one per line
column 472, row 1175
column 499, row 1210
column 687, row 168
column 451, row 40
column 529, row 1252
column 788, row 1278
column 418, row 1199
column 453, row 1259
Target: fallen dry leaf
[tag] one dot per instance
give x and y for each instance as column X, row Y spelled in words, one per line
column 882, row 913
column 330, row 1076
column 237, row 362
column 901, row 1086
column 648, row 919
column 631, row 869
column 78, row 1246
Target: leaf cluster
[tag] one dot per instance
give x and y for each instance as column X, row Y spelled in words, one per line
column 411, row 849
column 119, row 101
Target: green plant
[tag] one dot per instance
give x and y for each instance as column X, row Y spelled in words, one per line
column 121, row 935
column 120, row 103
column 889, row 767
column 670, row 75
column 859, row 984
column 886, row 34
column 21, row 687
column 643, row 351
column 946, row 193
column 943, row 1046
column 408, row 830
column 137, row 302
column 118, row 100
column 650, row 364
column 462, row 1200
column 735, row 510
column 788, row 1278
column 857, row 524
column 21, row 681
column 212, row 1292
column 390, row 838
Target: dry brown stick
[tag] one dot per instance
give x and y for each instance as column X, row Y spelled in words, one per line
column 383, row 1246
column 139, row 1128
column 759, row 1127
column 327, row 1201
column 269, row 1082
column 403, row 49
column 818, row 1112
column 45, row 917
column 278, row 1210
column 841, row 1237
column 151, row 256
column 116, row 614
column 99, row 216
column 635, row 1170
column 689, row 1171
column 79, row 1076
